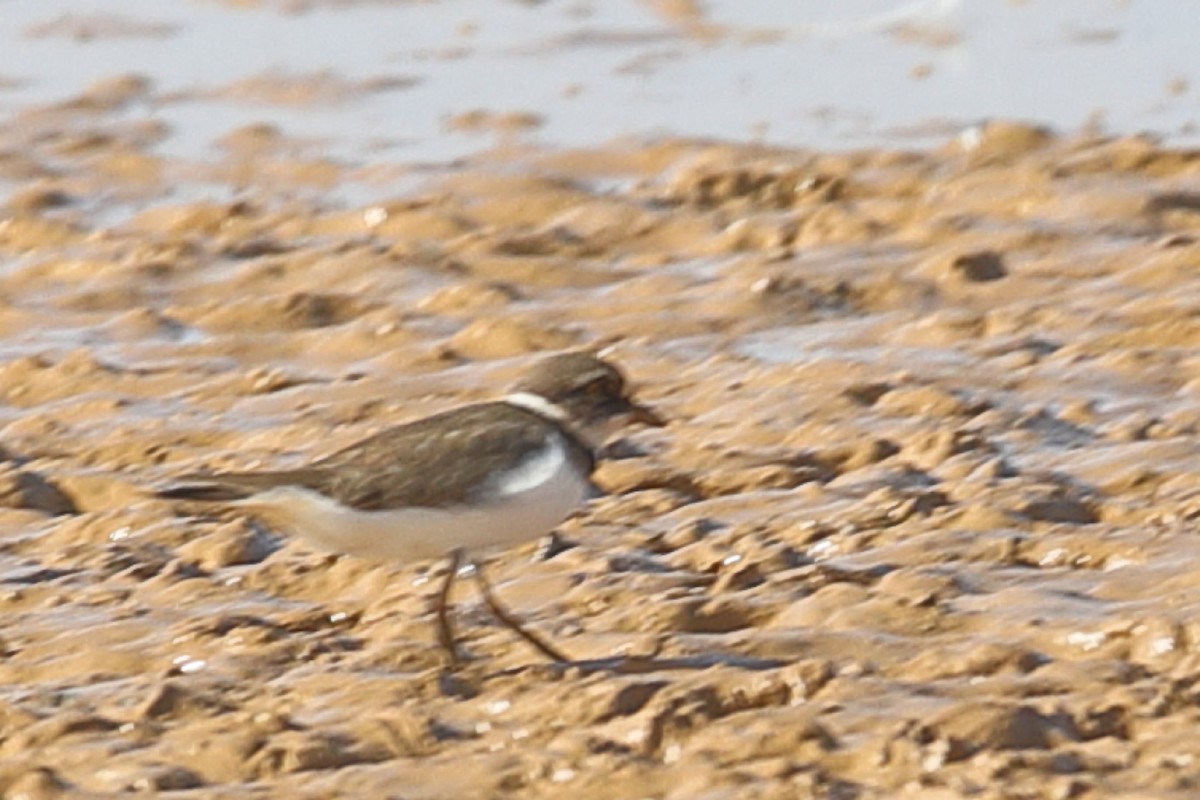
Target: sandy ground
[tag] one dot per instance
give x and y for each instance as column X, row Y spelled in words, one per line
column 923, row 524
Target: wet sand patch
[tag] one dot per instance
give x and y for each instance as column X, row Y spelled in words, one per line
column 932, row 447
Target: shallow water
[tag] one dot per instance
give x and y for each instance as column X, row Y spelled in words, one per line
column 397, row 81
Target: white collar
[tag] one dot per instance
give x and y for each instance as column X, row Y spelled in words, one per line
column 538, row 405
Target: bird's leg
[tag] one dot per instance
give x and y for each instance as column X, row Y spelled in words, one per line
column 511, row 620
column 445, row 631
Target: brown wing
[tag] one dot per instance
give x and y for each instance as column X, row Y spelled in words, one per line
column 443, row 460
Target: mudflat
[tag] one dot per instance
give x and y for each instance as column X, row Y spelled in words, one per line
column 922, row 525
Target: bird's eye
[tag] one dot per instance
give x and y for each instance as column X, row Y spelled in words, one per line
column 602, row 387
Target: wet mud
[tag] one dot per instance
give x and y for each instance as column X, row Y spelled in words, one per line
column 923, row 523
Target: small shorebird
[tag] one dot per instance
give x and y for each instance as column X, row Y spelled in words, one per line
column 453, row 484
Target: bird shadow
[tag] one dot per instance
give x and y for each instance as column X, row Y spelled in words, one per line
column 642, row 665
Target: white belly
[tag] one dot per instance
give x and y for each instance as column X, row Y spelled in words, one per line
column 528, row 504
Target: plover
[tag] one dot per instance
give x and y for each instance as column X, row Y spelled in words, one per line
column 454, row 484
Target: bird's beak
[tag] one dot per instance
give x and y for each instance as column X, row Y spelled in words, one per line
column 645, row 415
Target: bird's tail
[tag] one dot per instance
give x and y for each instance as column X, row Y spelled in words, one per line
column 227, row 487
column 203, row 492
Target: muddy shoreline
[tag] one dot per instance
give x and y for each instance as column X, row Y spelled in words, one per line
column 932, row 447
